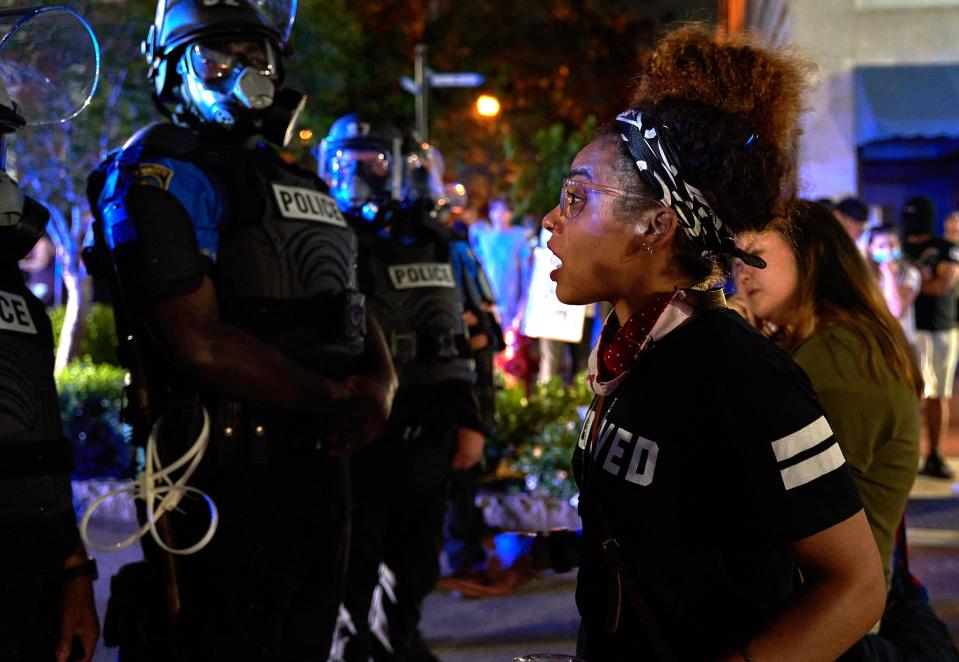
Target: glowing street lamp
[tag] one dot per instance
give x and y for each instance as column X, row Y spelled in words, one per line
column 487, row 106
column 306, row 135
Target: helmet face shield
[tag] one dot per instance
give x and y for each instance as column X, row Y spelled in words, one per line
column 423, row 175
column 217, row 62
column 49, row 62
column 360, row 176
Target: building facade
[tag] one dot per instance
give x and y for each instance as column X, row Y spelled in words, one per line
column 883, row 116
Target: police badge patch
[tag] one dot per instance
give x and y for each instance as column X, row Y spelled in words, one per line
column 153, row 174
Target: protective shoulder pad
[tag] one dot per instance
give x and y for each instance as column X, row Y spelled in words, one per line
column 160, row 139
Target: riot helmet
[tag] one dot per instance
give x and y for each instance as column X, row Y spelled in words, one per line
column 423, row 168
column 217, row 65
column 49, row 69
column 360, row 159
column 424, row 193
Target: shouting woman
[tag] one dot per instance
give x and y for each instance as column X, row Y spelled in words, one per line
column 720, row 519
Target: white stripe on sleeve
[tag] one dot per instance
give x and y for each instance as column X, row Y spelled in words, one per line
column 802, row 440
column 813, row 467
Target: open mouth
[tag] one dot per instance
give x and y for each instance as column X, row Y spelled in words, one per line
column 556, row 260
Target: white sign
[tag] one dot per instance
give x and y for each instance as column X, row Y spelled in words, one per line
column 307, row 205
column 546, row 316
column 423, row 274
column 14, row 314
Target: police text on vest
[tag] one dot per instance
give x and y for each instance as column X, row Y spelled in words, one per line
column 423, row 274
column 307, row 205
column 14, row 314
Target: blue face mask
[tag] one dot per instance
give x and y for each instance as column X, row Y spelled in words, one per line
column 882, row 255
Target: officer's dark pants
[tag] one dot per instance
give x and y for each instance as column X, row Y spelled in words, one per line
column 401, row 484
column 29, row 616
column 465, row 527
column 269, row 585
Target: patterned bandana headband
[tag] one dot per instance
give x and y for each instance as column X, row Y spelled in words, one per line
column 661, row 165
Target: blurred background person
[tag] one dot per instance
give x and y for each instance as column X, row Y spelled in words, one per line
column 936, row 334
column 950, row 228
column 853, row 214
column 503, row 250
column 464, row 527
column 39, row 268
column 832, row 318
column 898, row 279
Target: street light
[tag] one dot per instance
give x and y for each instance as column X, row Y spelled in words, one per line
column 306, row 135
column 487, row 106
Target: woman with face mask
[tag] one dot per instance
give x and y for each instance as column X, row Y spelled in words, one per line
column 899, row 281
column 707, row 469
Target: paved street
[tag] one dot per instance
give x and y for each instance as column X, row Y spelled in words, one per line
column 541, row 617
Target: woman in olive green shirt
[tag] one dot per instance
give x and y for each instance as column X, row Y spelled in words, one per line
column 830, row 314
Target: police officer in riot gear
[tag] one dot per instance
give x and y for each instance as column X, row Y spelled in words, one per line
column 400, row 481
column 236, row 272
column 47, row 611
column 465, row 527
column 360, row 159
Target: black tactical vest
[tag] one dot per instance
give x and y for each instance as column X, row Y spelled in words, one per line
column 286, row 264
column 35, row 459
column 412, row 292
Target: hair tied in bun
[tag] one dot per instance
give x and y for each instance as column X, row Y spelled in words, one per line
column 661, row 165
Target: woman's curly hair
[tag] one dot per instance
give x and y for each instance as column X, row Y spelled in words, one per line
column 734, row 109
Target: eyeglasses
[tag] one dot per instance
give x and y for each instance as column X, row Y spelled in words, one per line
column 572, row 197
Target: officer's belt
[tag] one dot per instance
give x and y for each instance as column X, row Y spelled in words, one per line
column 331, row 317
column 35, row 458
column 424, row 346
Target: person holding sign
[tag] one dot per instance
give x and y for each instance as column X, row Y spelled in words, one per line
column 707, row 469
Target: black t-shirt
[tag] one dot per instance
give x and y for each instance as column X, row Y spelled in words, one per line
column 709, row 460
column 934, row 313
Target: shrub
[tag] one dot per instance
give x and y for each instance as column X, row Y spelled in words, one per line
column 91, row 397
column 99, row 341
column 536, row 434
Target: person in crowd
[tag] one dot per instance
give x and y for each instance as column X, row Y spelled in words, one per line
column 950, row 228
column 401, row 480
column 39, row 268
column 937, row 335
column 503, row 250
column 853, row 214
column 831, row 316
column 707, row 469
column 47, row 610
column 236, row 273
column 899, row 281
column 464, row 526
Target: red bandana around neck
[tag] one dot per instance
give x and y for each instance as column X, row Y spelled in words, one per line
column 620, row 346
